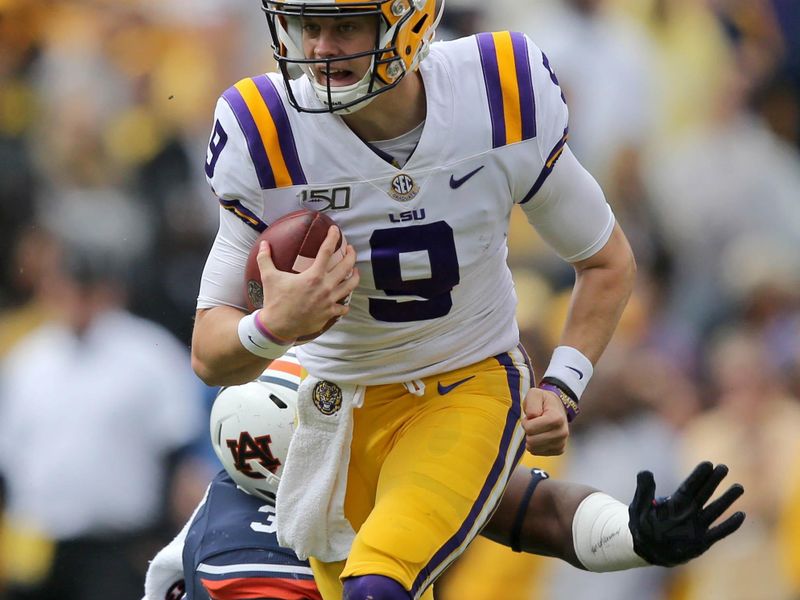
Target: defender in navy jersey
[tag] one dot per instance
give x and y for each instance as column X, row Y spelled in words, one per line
column 232, row 551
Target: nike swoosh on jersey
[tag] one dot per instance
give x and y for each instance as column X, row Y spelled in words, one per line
column 457, row 183
column 446, row 389
column 580, row 373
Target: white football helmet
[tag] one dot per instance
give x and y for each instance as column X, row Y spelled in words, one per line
column 252, row 425
column 405, row 31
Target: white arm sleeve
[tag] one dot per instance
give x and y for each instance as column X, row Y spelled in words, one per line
column 570, row 211
column 222, row 283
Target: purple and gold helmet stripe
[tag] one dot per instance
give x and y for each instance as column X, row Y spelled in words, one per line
column 246, row 215
column 555, row 154
column 510, row 449
column 265, row 124
column 509, row 86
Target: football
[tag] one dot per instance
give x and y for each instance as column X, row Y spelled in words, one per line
column 294, row 241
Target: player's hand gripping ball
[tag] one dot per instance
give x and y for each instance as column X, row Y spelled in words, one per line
column 294, row 241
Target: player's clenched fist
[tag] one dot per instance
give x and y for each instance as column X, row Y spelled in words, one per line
column 545, row 423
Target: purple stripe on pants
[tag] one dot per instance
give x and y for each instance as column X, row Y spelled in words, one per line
column 512, row 422
column 528, row 364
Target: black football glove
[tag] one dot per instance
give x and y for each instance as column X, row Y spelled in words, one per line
column 670, row 531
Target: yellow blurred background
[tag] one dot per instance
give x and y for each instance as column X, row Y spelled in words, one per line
column 686, row 111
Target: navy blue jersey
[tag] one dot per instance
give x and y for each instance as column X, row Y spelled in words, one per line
column 232, row 552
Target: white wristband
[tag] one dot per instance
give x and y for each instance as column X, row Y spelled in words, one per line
column 258, row 340
column 601, row 536
column 571, row 367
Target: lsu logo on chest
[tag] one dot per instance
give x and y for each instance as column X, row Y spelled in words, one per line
column 408, row 215
column 248, row 448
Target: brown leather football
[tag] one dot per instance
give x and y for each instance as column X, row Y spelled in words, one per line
column 294, row 241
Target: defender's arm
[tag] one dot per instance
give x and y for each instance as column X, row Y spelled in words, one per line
column 593, row 531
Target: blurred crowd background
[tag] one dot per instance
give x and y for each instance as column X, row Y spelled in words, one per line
column 686, row 111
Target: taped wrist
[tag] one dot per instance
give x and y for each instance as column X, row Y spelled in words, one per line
column 259, row 340
column 601, row 536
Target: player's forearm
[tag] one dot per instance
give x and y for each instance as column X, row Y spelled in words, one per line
column 218, row 357
column 602, row 287
column 546, row 525
column 547, row 529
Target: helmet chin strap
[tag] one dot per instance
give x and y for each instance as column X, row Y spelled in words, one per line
column 350, row 93
column 347, row 93
column 290, row 37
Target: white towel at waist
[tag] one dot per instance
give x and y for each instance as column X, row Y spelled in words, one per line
column 310, row 502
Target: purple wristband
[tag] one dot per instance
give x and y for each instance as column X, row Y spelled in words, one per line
column 569, row 403
column 269, row 335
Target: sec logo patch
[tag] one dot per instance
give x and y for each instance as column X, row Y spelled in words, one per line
column 403, row 188
column 327, row 397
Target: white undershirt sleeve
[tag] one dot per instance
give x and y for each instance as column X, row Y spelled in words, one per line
column 570, row 211
column 222, row 283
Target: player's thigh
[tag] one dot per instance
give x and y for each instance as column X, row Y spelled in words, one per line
column 444, row 475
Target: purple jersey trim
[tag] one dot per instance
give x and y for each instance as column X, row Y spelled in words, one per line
column 512, row 423
column 245, row 214
column 494, row 92
column 521, row 78
column 525, row 83
column 258, row 154
column 551, row 161
column 285, row 137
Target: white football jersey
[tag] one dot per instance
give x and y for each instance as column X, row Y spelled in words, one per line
column 435, row 291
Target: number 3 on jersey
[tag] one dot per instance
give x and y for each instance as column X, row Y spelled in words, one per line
column 269, row 525
column 429, row 254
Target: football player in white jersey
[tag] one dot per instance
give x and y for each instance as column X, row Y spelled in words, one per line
column 418, row 151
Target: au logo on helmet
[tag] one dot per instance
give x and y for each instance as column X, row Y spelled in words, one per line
column 327, row 397
column 248, row 448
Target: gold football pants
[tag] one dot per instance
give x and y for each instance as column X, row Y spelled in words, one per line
column 426, row 472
